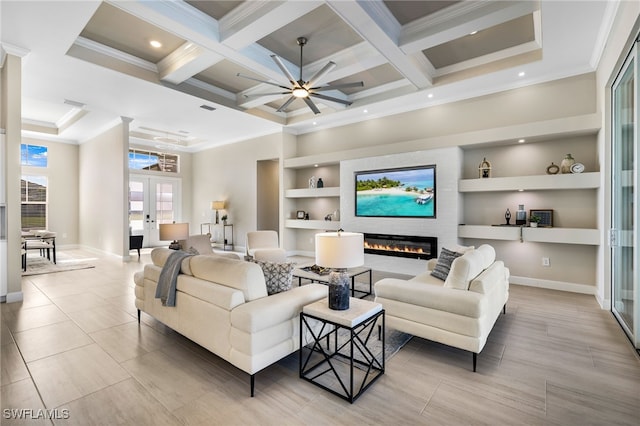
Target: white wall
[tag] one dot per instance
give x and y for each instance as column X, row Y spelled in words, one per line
column 448, row 163
column 621, row 35
column 101, row 182
column 229, row 173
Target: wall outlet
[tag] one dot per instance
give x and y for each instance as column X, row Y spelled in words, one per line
column 546, row 261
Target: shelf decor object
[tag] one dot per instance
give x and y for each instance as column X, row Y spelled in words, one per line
column 553, row 169
column 545, row 217
column 507, row 216
column 484, row 169
column 567, row 162
column 521, row 215
column 339, row 251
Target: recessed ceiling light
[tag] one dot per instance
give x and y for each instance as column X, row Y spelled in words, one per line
column 521, row 74
column 315, row 165
column 473, row 33
column 521, row 141
column 365, row 111
column 155, row 43
column 520, row 190
column 315, row 123
column 207, row 107
column 430, row 95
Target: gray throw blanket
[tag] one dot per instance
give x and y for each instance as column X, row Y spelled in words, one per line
column 166, row 289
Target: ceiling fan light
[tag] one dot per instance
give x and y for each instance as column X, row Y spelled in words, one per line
column 300, row 92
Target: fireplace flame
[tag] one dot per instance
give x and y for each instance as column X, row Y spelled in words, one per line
column 387, row 247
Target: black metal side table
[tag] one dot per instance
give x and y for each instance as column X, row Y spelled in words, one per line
column 336, row 347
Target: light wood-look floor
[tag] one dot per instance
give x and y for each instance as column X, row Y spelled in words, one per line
column 74, row 344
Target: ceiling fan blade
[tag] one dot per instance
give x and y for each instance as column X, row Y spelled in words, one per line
column 257, row 95
column 330, row 98
column 320, row 74
column 311, row 105
column 263, row 81
column 284, row 69
column 337, row 86
column 286, row 104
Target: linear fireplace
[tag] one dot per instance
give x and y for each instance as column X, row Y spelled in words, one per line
column 401, row 246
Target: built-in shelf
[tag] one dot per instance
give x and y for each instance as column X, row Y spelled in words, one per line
column 326, row 225
column 532, row 183
column 543, row 235
column 333, row 191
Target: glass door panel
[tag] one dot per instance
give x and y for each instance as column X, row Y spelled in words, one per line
column 624, row 201
column 152, row 201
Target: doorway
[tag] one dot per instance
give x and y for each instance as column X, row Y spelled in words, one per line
column 267, row 198
column 152, row 201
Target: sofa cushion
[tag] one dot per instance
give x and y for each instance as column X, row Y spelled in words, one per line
column 443, row 266
column 277, row 275
column 244, row 276
column 464, row 269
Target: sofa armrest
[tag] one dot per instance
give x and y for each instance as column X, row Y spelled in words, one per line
column 431, row 264
column 461, row 302
column 260, row 314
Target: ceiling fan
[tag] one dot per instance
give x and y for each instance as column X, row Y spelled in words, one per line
column 304, row 89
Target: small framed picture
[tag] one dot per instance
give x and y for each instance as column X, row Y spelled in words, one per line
column 546, row 217
column 300, row 214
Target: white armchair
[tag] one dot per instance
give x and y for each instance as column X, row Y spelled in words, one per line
column 263, row 245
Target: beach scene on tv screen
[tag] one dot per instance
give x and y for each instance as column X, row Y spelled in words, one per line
column 396, row 193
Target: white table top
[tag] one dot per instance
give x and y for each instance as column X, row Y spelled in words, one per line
column 359, row 310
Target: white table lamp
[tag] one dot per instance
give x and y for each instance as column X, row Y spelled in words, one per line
column 339, row 251
column 174, row 232
column 217, row 205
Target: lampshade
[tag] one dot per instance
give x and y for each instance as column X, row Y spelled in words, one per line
column 174, row 231
column 339, row 249
column 217, row 205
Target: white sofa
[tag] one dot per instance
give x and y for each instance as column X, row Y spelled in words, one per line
column 458, row 312
column 222, row 304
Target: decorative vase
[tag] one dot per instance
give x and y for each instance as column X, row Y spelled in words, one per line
column 507, row 216
column 339, row 284
column 521, row 215
column 567, row 162
column 320, row 183
column 312, row 182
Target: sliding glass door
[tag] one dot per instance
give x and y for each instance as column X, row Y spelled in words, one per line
column 152, row 201
column 624, row 179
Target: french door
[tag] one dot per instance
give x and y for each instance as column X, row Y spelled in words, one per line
column 152, row 201
column 625, row 212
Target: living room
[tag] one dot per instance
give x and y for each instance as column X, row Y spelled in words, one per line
column 569, row 114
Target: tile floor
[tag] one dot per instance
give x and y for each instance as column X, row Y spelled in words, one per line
column 73, row 346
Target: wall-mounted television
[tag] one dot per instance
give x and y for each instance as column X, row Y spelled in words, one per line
column 398, row 192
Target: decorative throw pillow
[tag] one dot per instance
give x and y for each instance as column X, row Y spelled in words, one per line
column 277, row 275
column 443, row 266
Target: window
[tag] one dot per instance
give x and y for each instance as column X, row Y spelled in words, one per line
column 34, row 202
column 158, row 161
column 33, row 155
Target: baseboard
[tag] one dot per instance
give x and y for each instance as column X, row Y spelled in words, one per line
column 14, row 297
column 554, row 285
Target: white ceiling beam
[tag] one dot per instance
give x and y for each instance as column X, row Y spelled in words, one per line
column 460, row 20
column 374, row 22
column 253, row 20
column 185, row 62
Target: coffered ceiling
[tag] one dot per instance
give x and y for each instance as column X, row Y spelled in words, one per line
column 89, row 63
